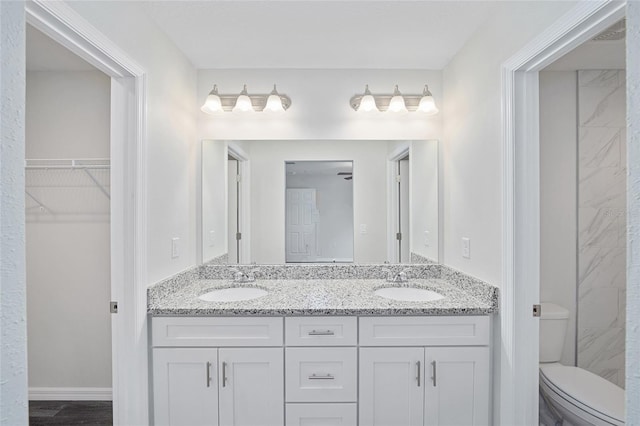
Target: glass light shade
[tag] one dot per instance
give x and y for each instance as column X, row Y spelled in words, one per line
column 396, row 104
column 428, row 105
column 367, row 104
column 212, row 104
column 274, row 104
column 243, row 104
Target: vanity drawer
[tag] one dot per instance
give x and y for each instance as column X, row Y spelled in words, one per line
column 216, row 331
column 321, row 331
column 321, row 414
column 424, row 331
column 321, row 374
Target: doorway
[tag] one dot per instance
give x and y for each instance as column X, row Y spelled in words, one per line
column 399, row 203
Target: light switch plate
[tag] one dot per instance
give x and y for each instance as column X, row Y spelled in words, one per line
column 427, row 241
column 175, row 249
column 466, row 248
column 212, row 238
column 363, row 228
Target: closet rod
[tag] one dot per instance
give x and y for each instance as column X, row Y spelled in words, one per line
column 68, row 164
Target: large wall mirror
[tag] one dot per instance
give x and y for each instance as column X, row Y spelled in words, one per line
column 302, row 201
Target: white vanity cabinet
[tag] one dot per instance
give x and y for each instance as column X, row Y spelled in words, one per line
column 424, row 385
column 238, row 383
column 329, row 370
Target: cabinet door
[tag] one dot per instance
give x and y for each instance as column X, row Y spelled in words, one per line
column 457, row 386
column 185, row 389
column 391, row 386
column 251, row 386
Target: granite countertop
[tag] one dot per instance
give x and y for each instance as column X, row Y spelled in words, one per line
column 319, row 297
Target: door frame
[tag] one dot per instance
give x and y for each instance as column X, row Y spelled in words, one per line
column 128, row 199
column 244, row 199
column 401, row 151
column 516, row 385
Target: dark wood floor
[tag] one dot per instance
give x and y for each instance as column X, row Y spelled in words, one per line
column 69, row 413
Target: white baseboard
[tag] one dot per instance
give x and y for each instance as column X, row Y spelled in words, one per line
column 70, row 394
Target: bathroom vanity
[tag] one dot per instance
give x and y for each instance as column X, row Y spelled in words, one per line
column 321, row 351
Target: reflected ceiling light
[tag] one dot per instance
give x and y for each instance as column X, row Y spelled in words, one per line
column 395, row 102
column 274, row 102
column 245, row 102
column 427, row 105
column 212, row 104
column 367, row 103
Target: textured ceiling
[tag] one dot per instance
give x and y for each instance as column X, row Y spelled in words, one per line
column 319, row 34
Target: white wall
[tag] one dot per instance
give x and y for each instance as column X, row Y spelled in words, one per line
column 334, row 201
column 472, row 134
column 68, row 246
column 424, row 198
column 558, row 196
column 214, row 199
column 13, row 358
column 320, row 107
column 268, row 193
column 633, row 214
column 172, row 149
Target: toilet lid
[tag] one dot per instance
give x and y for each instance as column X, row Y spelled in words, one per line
column 587, row 389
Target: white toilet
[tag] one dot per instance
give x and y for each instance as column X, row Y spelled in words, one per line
column 578, row 396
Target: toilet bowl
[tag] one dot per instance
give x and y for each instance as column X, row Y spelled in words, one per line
column 577, row 396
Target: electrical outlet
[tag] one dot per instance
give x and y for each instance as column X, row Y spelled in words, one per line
column 466, row 248
column 427, row 241
column 212, row 238
column 175, row 248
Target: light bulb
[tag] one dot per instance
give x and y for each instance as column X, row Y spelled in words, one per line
column 243, row 103
column 427, row 104
column 274, row 102
column 367, row 103
column 212, row 104
column 396, row 104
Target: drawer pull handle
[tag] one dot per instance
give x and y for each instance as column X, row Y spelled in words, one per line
column 326, row 377
column 224, row 374
column 321, row 333
column 433, row 368
column 418, row 376
column 208, row 374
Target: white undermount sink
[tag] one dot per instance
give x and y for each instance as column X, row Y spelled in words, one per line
column 233, row 294
column 408, row 294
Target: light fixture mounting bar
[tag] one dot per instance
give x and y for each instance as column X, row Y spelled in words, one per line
column 258, row 101
column 382, row 101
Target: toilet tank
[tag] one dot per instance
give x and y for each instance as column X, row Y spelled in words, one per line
column 553, row 329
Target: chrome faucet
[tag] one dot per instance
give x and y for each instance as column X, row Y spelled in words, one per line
column 400, row 277
column 244, row 277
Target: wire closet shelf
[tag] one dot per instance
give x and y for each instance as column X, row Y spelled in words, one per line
column 67, row 186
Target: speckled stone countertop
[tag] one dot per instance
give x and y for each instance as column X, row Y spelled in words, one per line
column 320, row 297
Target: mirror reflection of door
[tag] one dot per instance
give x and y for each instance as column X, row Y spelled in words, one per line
column 319, row 212
column 233, row 214
column 402, row 230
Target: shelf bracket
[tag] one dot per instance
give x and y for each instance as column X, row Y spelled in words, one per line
column 98, row 184
column 42, row 207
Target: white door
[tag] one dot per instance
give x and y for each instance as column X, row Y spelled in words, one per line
column 251, row 386
column 233, row 228
column 404, row 255
column 185, row 388
column 301, row 225
column 391, row 386
column 456, row 388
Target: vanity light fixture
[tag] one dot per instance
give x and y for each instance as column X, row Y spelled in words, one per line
column 395, row 102
column 245, row 102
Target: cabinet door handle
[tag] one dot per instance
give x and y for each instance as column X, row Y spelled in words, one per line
column 325, row 377
column 208, row 374
column 321, row 333
column 224, row 374
column 418, row 376
column 433, row 369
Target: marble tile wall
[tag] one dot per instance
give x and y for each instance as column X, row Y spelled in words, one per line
column 602, row 223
